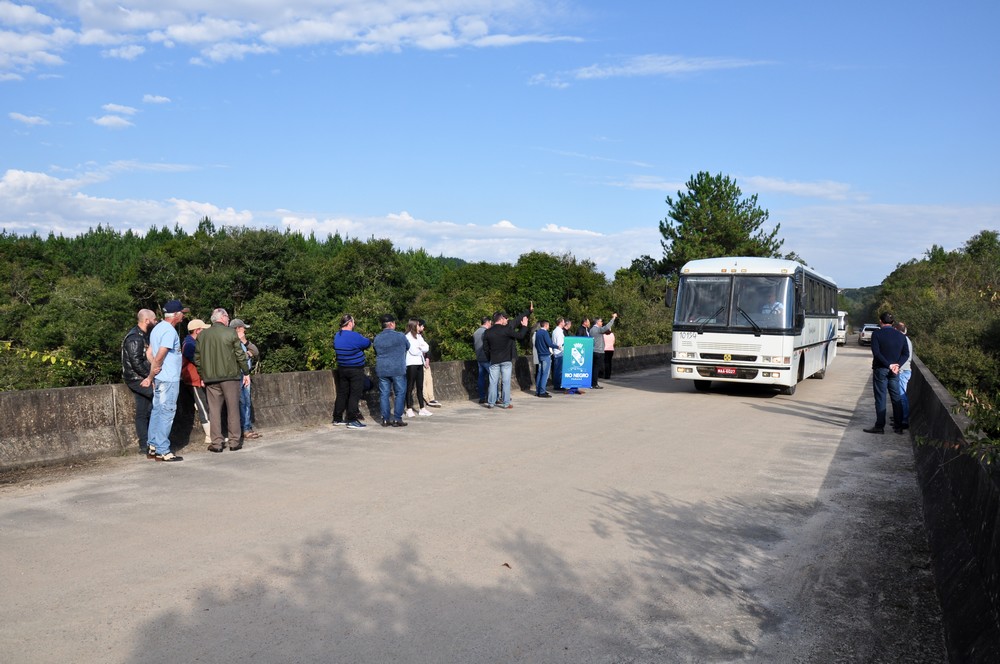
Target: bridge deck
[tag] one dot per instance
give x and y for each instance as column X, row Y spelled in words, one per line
column 642, row 523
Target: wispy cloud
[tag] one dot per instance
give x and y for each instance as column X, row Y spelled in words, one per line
column 662, row 65
column 643, row 66
column 155, row 99
column 591, row 157
column 28, row 119
column 826, row 189
column 648, row 183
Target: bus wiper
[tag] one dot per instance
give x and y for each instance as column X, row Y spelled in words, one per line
column 718, row 311
column 756, row 328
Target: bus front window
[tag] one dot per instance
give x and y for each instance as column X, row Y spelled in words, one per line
column 767, row 301
column 703, row 300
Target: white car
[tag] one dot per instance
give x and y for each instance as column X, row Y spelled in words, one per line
column 865, row 336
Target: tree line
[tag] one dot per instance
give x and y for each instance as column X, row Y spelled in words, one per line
column 68, row 301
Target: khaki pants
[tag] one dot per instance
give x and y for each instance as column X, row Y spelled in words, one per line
column 226, row 393
column 428, row 383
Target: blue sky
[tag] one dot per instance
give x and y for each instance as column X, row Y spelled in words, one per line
column 486, row 129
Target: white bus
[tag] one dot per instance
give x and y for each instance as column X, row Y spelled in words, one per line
column 753, row 320
column 841, row 328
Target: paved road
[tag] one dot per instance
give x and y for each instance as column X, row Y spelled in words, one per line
column 643, row 523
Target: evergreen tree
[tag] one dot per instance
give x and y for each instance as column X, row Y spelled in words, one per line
column 713, row 219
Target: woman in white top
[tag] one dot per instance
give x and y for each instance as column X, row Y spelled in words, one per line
column 416, row 356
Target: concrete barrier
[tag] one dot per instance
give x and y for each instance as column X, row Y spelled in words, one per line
column 50, row 427
column 961, row 500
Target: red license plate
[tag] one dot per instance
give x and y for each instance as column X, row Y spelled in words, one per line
column 725, row 371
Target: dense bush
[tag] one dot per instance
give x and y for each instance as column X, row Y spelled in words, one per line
column 950, row 302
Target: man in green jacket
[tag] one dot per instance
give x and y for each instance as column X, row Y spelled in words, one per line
column 221, row 361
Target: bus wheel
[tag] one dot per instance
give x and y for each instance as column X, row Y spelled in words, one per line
column 702, row 385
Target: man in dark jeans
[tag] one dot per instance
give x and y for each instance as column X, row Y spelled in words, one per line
column 350, row 348
column 135, row 374
column 889, row 352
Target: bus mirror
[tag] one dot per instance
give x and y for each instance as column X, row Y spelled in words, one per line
column 668, row 298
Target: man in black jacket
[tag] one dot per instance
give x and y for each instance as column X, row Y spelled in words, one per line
column 135, row 374
column 500, row 344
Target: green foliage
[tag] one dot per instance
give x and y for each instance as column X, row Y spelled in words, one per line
column 713, row 219
column 951, row 307
column 75, row 298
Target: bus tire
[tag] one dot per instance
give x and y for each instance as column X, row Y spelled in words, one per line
column 702, row 385
column 788, row 391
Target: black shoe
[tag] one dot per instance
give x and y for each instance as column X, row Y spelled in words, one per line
column 544, row 395
column 216, row 448
column 482, row 401
column 399, row 423
column 596, row 387
column 898, row 430
column 875, row 430
column 238, row 447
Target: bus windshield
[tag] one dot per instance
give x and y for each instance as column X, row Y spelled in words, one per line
column 736, row 301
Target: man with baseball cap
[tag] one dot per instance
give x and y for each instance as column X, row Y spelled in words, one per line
column 165, row 367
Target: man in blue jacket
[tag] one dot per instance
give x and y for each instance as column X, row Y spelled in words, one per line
column 889, row 352
column 390, row 367
column 350, row 348
column 544, row 346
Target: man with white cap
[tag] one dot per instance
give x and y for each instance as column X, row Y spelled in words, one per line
column 191, row 377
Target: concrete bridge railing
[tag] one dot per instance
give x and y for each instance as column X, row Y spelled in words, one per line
column 56, row 426
column 962, row 511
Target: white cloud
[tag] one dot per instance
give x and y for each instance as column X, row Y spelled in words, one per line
column 119, row 109
column 130, row 52
column 244, row 27
column 649, row 183
column 155, row 99
column 860, row 244
column 21, row 15
column 112, row 122
column 28, row 119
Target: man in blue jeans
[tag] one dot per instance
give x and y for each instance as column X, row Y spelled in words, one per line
column 500, row 345
column 390, row 367
column 889, row 352
column 544, row 346
column 165, row 367
column 482, row 361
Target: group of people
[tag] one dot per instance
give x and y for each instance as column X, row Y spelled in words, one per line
column 214, row 362
column 402, row 365
column 892, row 352
column 495, row 344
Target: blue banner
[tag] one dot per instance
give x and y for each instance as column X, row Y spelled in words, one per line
column 578, row 361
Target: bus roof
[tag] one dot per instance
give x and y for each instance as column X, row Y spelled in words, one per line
column 747, row 265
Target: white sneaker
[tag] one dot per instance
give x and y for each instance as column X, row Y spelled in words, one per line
column 410, row 413
column 425, row 412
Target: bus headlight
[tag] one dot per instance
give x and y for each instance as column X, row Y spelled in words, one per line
column 776, row 359
column 684, row 355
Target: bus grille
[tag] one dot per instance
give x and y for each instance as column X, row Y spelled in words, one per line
column 751, row 349
column 732, row 358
